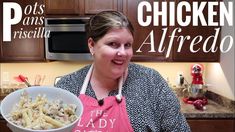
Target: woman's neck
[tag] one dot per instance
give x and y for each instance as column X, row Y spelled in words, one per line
column 102, row 84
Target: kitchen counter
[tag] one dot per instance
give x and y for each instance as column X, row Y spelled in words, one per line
column 213, row 110
column 215, row 118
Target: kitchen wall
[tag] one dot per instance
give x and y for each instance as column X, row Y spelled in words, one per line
column 58, row 68
column 221, row 76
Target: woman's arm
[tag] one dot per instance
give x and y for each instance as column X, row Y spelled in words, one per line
column 172, row 119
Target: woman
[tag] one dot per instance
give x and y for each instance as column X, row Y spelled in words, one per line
column 118, row 95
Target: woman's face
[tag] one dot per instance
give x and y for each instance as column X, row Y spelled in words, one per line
column 112, row 52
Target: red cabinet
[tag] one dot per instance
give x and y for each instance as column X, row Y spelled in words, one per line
column 212, row 125
column 143, row 34
column 3, row 126
column 79, row 7
column 62, row 7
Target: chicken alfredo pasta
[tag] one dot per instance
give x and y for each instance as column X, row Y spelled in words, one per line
column 41, row 114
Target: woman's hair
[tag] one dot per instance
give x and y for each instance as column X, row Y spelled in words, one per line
column 102, row 22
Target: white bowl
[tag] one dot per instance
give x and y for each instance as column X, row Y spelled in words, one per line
column 51, row 93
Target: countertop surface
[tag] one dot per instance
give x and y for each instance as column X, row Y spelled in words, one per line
column 213, row 110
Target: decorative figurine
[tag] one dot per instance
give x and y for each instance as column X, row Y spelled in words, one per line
column 196, row 98
column 197, row 80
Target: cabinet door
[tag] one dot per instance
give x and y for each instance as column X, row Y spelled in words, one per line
column 142, row 34
column 56, row 7
column 3, row 126
column 195, row 32
column 95, row 6
column 23, row 49
column 213, row 125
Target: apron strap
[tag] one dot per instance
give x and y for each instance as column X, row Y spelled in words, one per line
column 119, row 95
column 88, row 76
column 85, row 82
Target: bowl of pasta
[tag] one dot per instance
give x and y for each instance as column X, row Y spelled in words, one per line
column 41, row 109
